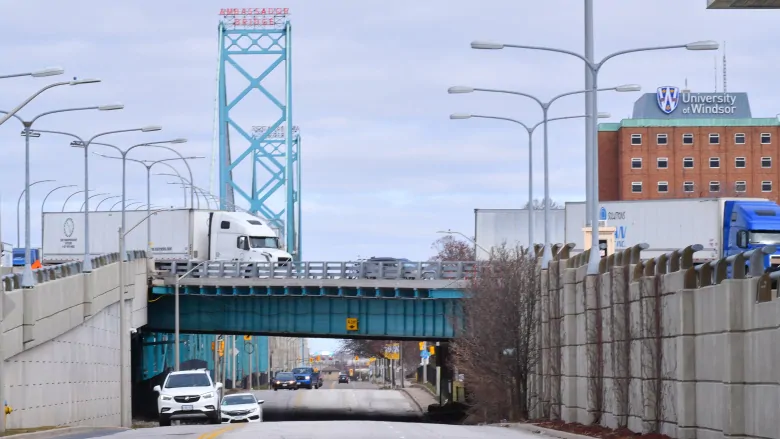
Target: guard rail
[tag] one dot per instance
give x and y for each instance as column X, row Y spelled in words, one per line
column 48, row 273
column 321, row 270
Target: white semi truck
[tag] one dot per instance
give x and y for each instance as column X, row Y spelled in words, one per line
column 176, row 235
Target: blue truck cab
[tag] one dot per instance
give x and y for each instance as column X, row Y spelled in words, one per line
column 306, row 377
column 749, row 224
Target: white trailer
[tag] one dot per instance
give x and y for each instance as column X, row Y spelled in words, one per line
column 496, row 226
column 665, row 225
column 182, row 234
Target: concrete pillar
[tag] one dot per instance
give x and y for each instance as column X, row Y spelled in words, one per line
column 544, row 343
column 686, row 366
column 733, row 398
column 593, row 370
column 569, row 349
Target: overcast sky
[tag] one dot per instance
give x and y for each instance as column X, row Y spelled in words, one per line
column 384, row 168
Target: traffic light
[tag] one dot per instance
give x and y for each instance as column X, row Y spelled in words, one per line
column 422, row 345
column 432, row 349
column 212, row 345
column 222, row 348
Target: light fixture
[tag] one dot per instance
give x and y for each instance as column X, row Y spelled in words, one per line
column 32, row 133
column 111, row 107
column 460, row 116
column 703, row 45
column 48, row 71
column 604, row 115
column 179, row 140
column 83, row 81
column 486, row 45
column 628, row 87
column 151, row 128
column 460, row 89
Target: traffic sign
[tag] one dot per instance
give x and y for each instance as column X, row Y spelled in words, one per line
column 425, row 354
column 249, row 347
column 247, row 338
column 357, row 358
column 352, row 324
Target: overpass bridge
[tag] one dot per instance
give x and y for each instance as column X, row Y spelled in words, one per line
column 417, row 300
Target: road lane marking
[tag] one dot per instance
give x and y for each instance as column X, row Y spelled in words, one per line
column 216, row 433
column 297, row 400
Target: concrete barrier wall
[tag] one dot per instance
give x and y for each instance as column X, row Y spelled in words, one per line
column 61, row 345
column 659, row 346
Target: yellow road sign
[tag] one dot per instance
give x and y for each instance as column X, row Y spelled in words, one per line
column 352, row 324
column 422, row 345
column 247, row 338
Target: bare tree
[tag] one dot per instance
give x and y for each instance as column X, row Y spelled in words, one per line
column 375, row 348
column 497, row 343
column 449, row 248
column 539, row 204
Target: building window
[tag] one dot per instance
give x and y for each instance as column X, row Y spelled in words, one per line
column 636, row 139
column 636, row 163
column 739, row 162
column 714, row 186
column 663, row 163
column 714, row 138
column 687, row 139
column 661, row 139
column 766, row 138
column 636, row 187
column 766, row 186
column 688, row 186
column 766, row 162
column 739, row 139
column 714, row 162
column 688, row 162
column 663, row 187
column 740, row 186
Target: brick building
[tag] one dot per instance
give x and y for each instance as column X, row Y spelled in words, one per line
column 702, row 145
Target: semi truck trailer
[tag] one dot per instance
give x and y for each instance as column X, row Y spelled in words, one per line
column 723, row 226
column 176, row 235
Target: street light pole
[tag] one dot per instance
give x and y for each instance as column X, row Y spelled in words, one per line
column 71, row 196
column 545, row 106
column 530, row 130
column 91, row 197
column 48, row 71
column 97, row 208
column 594, row 67
column 18, row 202
column 43, row 204
column 16, row 109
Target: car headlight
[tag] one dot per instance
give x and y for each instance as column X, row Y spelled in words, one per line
column 165, row 397
column 252, row 410
column 207, row 395
column 307, row 377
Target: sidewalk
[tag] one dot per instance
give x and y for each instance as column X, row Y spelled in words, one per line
column 421, row 396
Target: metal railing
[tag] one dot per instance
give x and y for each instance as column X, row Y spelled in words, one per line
column 323, row 270
column 49, row 273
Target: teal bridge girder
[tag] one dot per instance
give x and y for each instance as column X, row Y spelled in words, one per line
column 410, row 280
column 309, row 316
column 275, row 148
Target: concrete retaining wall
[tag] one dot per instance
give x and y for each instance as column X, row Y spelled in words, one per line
column 659, row 346
column 61, row 345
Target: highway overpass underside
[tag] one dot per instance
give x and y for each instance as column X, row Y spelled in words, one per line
column 308, row 316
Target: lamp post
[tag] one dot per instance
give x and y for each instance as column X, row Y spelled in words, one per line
column 123, row 329
column 91, row 197
column 97, row 208
column 452, row 232
column 148, row 165
column 545, row 106
column 187, row 184
column 118, row 203
column 176, row 315
column 16, row 109
column 87, row 264
column 27, row 224
column 71, row 196
column 43, row 204
column 591, row 77
column 530, row 130
column 27, row 278
column 48, row 71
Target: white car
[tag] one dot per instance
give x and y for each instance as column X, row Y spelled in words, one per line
column 241, row 407
column 188, row 394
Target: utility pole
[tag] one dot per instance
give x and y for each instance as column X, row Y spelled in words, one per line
column 233, row 360
column 249, row 381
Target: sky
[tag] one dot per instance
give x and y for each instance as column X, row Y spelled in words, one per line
column 384, row 168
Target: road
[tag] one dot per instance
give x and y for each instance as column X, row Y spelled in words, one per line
column 353, row 401
column 326, row 430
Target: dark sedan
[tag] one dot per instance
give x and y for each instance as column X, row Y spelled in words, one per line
column 343, row 378
column 285, row 380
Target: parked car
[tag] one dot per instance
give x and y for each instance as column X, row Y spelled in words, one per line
column 241, row 407
column 285, row 380
column 186, row 395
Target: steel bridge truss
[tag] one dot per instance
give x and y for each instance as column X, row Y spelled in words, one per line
column 274, row 148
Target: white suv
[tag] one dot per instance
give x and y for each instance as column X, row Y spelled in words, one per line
column 188, row 394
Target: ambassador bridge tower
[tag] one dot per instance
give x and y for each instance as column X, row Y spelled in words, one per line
column 259, row 147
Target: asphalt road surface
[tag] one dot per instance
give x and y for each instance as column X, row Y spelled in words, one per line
column 326, row 430
column 357, row 400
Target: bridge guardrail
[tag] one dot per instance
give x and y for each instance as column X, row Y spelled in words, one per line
column 48, row 273
column 323, row 270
